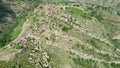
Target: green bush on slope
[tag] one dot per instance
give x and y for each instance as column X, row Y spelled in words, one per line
column 77, row 12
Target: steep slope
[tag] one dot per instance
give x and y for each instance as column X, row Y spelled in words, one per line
column 66, row 36
column 12, row 14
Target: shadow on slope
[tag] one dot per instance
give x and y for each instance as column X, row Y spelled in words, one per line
column 6, row 18
column 5, row 12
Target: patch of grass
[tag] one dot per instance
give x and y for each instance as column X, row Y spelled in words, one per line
column 113, row 65
column 99, row 44
column 18, row 47
column 94, row 12
column 74, row 33
column 118, row 13
column 116, row 42
column 55, row 59
column 78, row 12
column 93, row 42
column 33, row 20
column 22, row 63
column 110, row 32
column 59, row 58
column 65, row 28
column 54, row 20
column 14, row 31
column 16, row 62
column 84, row 63
column 18, row 27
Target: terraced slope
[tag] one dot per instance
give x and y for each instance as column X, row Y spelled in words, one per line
column 66, row 36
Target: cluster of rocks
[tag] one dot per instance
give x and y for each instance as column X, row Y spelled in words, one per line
column 70, row 20
column 32, row 49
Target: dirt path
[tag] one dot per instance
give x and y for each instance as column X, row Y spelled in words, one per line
column 7, row 52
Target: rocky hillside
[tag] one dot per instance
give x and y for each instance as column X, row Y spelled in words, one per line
column 12, row 14
column 65, row 35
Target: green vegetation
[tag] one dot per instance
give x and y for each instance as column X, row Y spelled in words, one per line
column 14, row 29
column 5, row 27
column 99, row 44
column 18, row 27
column 60, row 41
column 88, row 51
column 83, row 63
column 110, row 32
column 33, row 20
column 78, row 12
column 55, row 59
column 96, row 15
column 64, row 28
column 116, row 42
column 118, row 12
column 55, row 20
column 18, row 46
column 22, row 63
column 113, row 65
column 93, row 43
